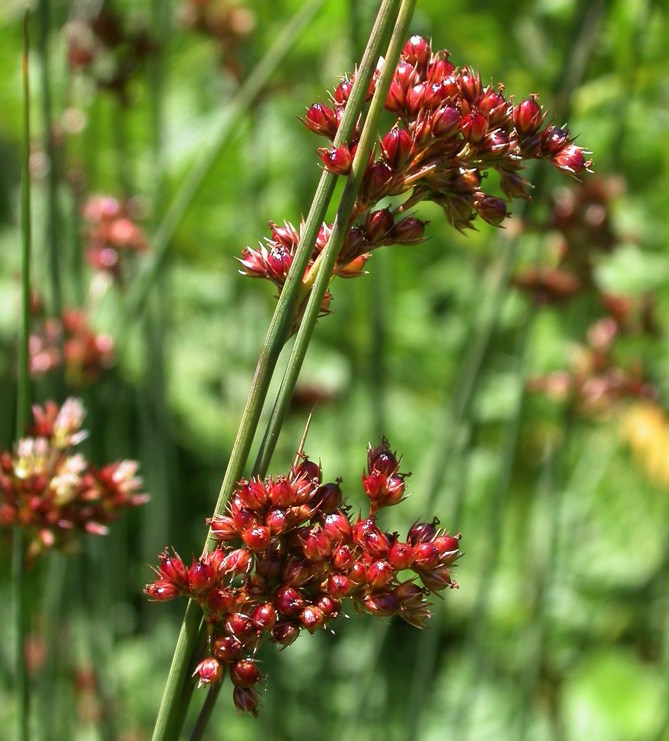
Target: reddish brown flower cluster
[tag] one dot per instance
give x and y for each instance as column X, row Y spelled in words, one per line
column 595, row 380
column 228, row 23
column 71, row 342
column 112, row 235
column 580, row 231
column 102, row 47
column 290, row 552
column 53, row 492
column 450, row 130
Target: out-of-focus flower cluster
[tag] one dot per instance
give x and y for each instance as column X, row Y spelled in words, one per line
column 450, row 130
column 113, row 235
column 580, row 232
column 101, row 46
column 290, row 552
column 52, row 492
column 70, row 342
column 228, row 22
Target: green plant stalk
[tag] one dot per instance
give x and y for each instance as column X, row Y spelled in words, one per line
column 23, row 401
column 195, row 179
column 177, row 690
column 339, row 230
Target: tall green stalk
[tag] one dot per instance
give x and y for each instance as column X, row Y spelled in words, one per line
column 339, row 230
column 178, row 690
column 23, row 400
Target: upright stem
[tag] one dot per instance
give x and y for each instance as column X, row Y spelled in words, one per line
column 177, row 690
column 339, row 230
column 23, row 400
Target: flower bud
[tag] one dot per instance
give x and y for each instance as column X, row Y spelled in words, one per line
column 439, row 68
column 528, row 116
column 161, row 590
column 382, row 604
column 201, row 578
column 379, row 573
column 329, row 605
column 208, row 671
column 447, row 545
column 277, row 520
column 409, row 230
column 227, row 648
column 252, row 495
column 285, row 632
column 396, row 97
column 491, row 209
column 337, row 526
column 396, row 146
column 240, row 626
column 336, row 159
column 437, row 579
column 246, row 700
column 377, row 182
column 173, row 569
column 470, row 84
column 327, row 498
column 417, row 51
column 307, row 470
column 317, row 544
column 257, row 538
column 245, row 673
column 281, row 493
column 340, row 586
column 381, row 459
column 371, row 539
column 342, row 558
column 473, row 127
column 278, row 260
column 401, row 555
column 288, row 601
column 312, row 618
column 342, row 92
column 221, row 601
column 378, row 224
column 321, row 120
column 423, row 532
column 553, row 139
column 264, row 616
column 571, row 159
column 445, row 120
column 237, row 562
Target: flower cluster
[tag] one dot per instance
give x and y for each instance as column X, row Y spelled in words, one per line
column 70, row 341
column 112, row 235
column 290, row 552
column 450, row 131
column 595, row 380
column 53, row 492
column 101, row 46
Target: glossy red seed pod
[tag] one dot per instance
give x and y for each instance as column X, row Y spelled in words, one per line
column 245, row 673
column 285, row 632
column 396, row 146
column 401, row 555
column 379, row 574
column 227, row 648
column 321, row 120
column 417, row 51
column 264, row 616
column 246, row 700
column 426, row 556
column 340, row 586
column 162, row 590
column 173, row 569
column 288, row 601
column 312, row 618
column 382, row 604
column 336, row 159
column 528, row 116
column 201, row 577
column 257, row 538
column 209, row 671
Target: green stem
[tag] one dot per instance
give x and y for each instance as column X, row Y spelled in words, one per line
column 23, row 401
column 339, row 230
column 177, row 690
column 195, row 179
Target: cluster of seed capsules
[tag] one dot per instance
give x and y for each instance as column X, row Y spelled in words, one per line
column 70, row 342
column 290, row 552
column 450, row 130
column 52, row 492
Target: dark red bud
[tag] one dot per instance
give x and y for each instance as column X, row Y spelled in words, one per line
column 223, row 528
column 401, row 555
column 378, row 224
column 237, row 562
column 383, row 604
column 439, row 68
column 327, row 498
column 288, row 601
column 245, row 673
column 257, row 538
column 246, row 700
column 201, row 577
column 470, row 84
column 342, row 92
column 340, row 586
column 437, row 579
column 553, row 139
column 312, row 618
column 571, row 159
column 221, row 601
column 396, row 146
column 321, row 120
column 426, row 556
column 317, row 544
column 394, row 491
column 473, row 127
column 445, row 120
column 281, row 493
column 279, row 260
column 417, row 51
column 297, row 572
column 264, row 616
column 377, row 182
column 414, row 99
column 337, row 527
column 252, row 494
column 227, row 648
column 379, row 573
column 277, row 520
column 240, row 626
column 307, row 470
column 422, row 532
column 409, row 230
column 285, row 632
column 161, row 590
column 396, row 97
column 336, row 159
column 406, row 74
column 528, row 116
column 209, row 671
column 381, row 458
column 173, row 569
column 371, row 539
column 447, row 544
column 329, row 605
column 342, row 558
column 491, row 209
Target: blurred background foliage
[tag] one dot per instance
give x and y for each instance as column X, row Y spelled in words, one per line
column 531, row 412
